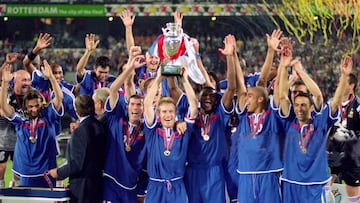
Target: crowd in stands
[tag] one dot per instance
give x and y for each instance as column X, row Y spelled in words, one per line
column 320, row 60
column 192, row 139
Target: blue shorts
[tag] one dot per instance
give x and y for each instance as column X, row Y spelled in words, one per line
column 115, row 193
column 205, row 184
column 255, row 188
column 173, row 192
column 296, row 193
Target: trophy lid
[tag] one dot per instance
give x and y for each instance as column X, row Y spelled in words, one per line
column 172, row 29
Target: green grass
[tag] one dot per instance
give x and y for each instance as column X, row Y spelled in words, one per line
column 9, row 174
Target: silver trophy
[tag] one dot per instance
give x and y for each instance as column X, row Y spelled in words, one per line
column 173, row 35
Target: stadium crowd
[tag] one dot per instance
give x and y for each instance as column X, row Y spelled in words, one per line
column 319, row 60
column 260, row 108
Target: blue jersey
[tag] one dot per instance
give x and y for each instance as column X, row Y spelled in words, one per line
column 42, row 84
column 211, row 151
column 39, row 82
column 160, row 163
column 251, row 79
column 68, row 103
column 67, row 85
column 182, row 107
column 305, row 149
column 89, row 83
column 259, row 142
column 122, row 166
column 32, row 159
column 143, row 74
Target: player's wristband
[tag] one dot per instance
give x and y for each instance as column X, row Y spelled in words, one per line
column 31, row 56
column 197, row 55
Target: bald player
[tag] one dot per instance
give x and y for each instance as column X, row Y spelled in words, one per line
column 21, row 85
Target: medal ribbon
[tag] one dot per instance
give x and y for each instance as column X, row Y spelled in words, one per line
column 98, row 85
column 148, row 74
column 271, row 85
column 33, row 127
column 255, row 126
column 304, row 136
column 168, row 136
column 144, row 76
column 205, row 122
column 130, row 133
column 48, row 181
column 344, row 109
column 18, row 103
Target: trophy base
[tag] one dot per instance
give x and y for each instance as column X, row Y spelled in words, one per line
column 171, row 70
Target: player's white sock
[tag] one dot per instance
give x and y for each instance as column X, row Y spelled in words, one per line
column 329, row 195
column 354, row 199
column 14, row 183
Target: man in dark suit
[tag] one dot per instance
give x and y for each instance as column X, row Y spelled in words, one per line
column 85, row 155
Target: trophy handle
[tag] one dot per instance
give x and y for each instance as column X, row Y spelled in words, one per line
column 169, row 30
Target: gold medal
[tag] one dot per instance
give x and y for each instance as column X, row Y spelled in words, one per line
column 167, row 153
column 206, row 137
column 32, row 139
column 127, row 148
column 303, row 150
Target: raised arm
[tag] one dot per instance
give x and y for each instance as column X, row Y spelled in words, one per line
column 90, row 45
column 293, row 78
column 272, row 43
column 7, row 109
column 178, row 17
column 149, row 112
column 10, row 59
column 190, row 94
column 346, row 68
column 129, row 85
column 57, row 100
column 128, row 19
column 310, row 84
column 175, row 91
column 196, row 45
column 240, row 82
column 133, row 63
column 42, row 43
column 285, row 60
column 228, row 51
column 276, row 94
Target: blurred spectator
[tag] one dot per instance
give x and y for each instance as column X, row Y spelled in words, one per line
column 319, row 60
